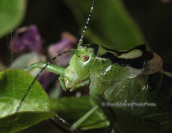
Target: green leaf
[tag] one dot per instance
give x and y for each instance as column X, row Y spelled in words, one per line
column 110, row 26
column 73, row 108
column 23, row 120
column 13, row 85
column 12, row 13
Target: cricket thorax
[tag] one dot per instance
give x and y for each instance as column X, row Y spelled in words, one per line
column 112, row 65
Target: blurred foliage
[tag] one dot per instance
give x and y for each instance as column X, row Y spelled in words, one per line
column 110, row 27
column 52, row 18
column 80, row 106
column 11, row 15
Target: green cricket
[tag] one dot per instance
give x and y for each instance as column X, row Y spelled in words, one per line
column 131, row 76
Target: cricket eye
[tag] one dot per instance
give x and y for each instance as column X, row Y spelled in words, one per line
column 85, row 58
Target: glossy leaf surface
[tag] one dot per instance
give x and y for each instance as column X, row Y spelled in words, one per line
column 12, row 13
column 13, row 85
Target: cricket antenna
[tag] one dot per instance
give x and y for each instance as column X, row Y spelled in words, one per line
column 87, row 22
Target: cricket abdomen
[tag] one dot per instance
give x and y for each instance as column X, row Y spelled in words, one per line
column 152, row 89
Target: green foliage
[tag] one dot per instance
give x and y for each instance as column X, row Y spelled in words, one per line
column 11, row 15
column 80, row 106
column 13, row 86
column 111, row 27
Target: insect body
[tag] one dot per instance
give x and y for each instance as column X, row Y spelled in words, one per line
column 126, row 77
column 132, row 76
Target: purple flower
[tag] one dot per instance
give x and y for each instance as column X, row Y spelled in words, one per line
column 67, row 42
column 45, row 79
column 26, row 37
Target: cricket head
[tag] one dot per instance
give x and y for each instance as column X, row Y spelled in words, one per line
column 78, row 71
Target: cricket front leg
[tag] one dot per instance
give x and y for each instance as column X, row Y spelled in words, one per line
column 51, row 68
column 109, row 113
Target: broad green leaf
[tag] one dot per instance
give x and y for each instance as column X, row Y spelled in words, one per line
column 73, row 108
column 23, row 120
column 13, row 86
column 11, row 15
column 110, row 25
